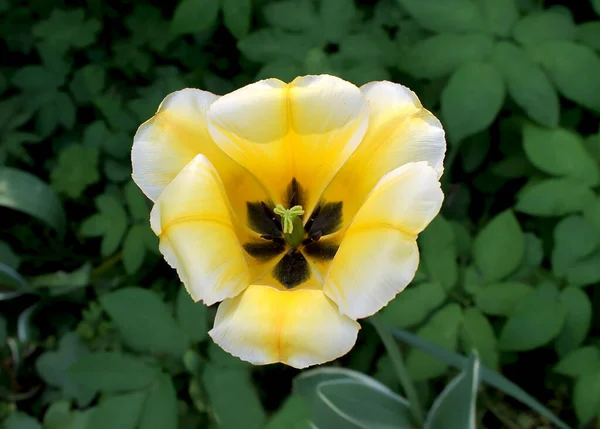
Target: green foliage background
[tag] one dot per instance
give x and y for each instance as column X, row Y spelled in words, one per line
column 95, row 330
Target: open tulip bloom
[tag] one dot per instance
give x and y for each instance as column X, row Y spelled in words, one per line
column 297, row 205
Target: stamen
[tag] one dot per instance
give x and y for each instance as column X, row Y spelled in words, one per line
column 288, row 216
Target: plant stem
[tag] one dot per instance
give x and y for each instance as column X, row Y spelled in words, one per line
column 398, row 362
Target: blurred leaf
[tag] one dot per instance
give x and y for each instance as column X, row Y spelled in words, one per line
column 160, row 407
column 134, row 248
column 61, row 281
column 591, row 212
column 194, row 16
column 110, row 223
column 560, row 152
column 480, row 335
column 294, row 15
column 191, row 316
column 231, row 389
column 586, row 396
column 471, row 99
column 60, row 416
column 20, row 420
column 65, row 29
column 237, row 16
column 75, row 170
column 488, row 376
column 8, row 257
column 118, row 411
column 112, row 372
column 87, row 82
column 136, row 202
column 585, row 271
column 26, row 193
column 554, row 197
column 117, row 116
column 527, row 83
column 52, row 366
column 544, row 26
column 414, row 304
column 536, row 319
column 270, row 44
column 352, row 404
column 441, row 329
column 136, row 312
column 579, row 362
column 596, row 6
column 499, row 15
column 438, row 250
column 295, row 413
column 454, row 408
column 534, row 255
column 575, row 70
column 12, row 279
column 37, row 78
column 3, row 331
column 335, row 19
column 574, row 239
column 447, row 16
column 499, row 299
column 499, row 247
column 588, row 33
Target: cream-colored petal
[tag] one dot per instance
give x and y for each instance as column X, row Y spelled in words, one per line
column 400, row 131
column 378, row 256
column 300, row 327
column 304, row 130
column 192, row 218
column 178, row 132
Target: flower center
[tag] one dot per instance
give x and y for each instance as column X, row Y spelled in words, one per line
column 291, row 221
column 284, row 236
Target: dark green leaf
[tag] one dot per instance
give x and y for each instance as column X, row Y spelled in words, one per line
column 76, row 169
column 579, row 362
column 270, row 44
column 295, row 413
column 294, row 15
column 585, row 271
column 112, row 372
column 335, row 19
column 472, row 99
column 554, row 197
column 560, row 152
column 237, row 15
column 144, row 321
column 442, row 329
column 438, row 251
column 575, row 70
column 118, row 412
column 414, row 304
column 499, row 247
column 137, row 202
column 448, row 16
column 536, row 319
column 454, row 408
column 586, row 396
column 499, row 15
column 574, row 239
column 588, row 34
column 192, row 316
column 231, row 389
column 24, row 192
column 194, row 16
column 480, row 335
column 527, row 83
column 134, row 248
column 20, row 420
column 577, row 322
column 499, row 299
column 160, row 408
column 110, row 223
column 544, row 26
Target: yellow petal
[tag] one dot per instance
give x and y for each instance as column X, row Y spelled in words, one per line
column 400, row 131
column 378, row 255
column 304, row 130
column 299, row 328
column 193, row 220
column 165, row 144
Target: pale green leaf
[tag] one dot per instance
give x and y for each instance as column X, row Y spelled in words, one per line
column 579, row 362
column 499, row 299
column 295, row 413
column 414, row 304
column 554, row 197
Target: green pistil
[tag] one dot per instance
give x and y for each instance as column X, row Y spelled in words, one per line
column 291, row 222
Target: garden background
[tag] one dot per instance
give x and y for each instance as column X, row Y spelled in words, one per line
column 97, row 332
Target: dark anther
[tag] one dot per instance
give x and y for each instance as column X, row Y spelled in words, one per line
column 269, row 237
column 275, row 219
column 261, row 219
column 320, row 250
column 295, row 194
column 311, row 219
column 315, row 236
column 264, row 250
column 327, row 220
column 292, row 269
